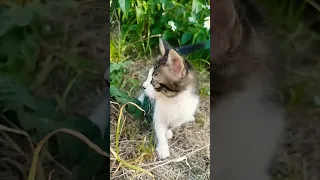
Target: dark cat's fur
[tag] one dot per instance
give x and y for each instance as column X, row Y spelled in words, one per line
column 246, row 112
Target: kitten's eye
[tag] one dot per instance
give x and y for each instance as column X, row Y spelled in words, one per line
column 154, row 82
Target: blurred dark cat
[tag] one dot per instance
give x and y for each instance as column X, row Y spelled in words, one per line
column 246, row 108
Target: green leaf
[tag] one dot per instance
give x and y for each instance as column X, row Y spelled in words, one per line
column 207, row 46
column 73, row 148
column 78, row 62
column 163, row 4
column 114, row 67
column 30, row 49
column 168, row 35
column 139, row 14
column 156, row 30
column 120, row 96
column 201, row 36
column 14, row 95
column 19, row 15
column 42, row 120
column 36, row 121
column 167, row 6
column 9, row 44
column 90, row 166
column 196, row 6
column 124, row 6
column 185, row 38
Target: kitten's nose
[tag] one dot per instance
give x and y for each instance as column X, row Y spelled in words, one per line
column 143, row 87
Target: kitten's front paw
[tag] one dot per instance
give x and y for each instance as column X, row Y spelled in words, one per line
column 163, row 152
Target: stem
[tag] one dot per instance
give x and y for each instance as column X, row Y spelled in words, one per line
column 70, row 85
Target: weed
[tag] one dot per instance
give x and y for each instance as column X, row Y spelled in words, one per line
column 139, row 24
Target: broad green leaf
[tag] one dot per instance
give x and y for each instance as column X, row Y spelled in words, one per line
column 200, row 36
column 156, row 30
column 42, row 120
column 19, row 15
column 90, row 165
column 14, row 95
column 168, row 35
column 207, row 46
column 124, row 5
column 9, row 44
column 167, row 6
column 120, row 96
column 72, row 148
column 92, row 162
column 185, row 38
column 163, row 4
column 196, row 6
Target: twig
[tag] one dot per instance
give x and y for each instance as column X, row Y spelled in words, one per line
column 175, row 159
column 50, row 174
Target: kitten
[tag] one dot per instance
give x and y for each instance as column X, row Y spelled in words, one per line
column 247, row 117
column 171, row 84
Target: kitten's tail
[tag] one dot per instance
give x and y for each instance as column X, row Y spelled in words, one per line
column 185, row 50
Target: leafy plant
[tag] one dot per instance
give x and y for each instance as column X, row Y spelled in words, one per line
column 21, row 32
column 179, row 22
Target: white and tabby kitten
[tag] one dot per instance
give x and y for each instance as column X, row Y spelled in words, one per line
column 171, row 84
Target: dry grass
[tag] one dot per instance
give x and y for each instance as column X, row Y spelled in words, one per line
column 299, row 157
column 190, row 151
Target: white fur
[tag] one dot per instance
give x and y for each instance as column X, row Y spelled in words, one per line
column 170, row 113
column 245, row 133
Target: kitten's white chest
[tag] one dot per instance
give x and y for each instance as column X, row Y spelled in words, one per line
column 178, row 110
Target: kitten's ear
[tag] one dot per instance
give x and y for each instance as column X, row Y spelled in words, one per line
column 226, row 31
column 164, row 46
column 176, row 65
